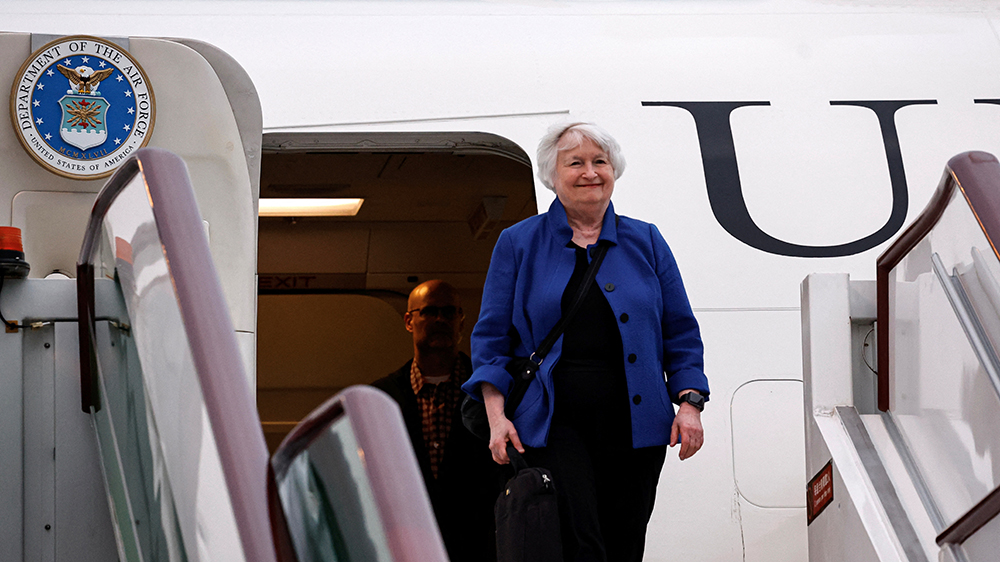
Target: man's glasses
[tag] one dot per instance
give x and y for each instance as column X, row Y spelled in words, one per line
column 446, row 312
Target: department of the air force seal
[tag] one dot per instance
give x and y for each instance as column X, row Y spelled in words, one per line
column 81, row 105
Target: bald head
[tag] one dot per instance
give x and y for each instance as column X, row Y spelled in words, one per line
column 434, row 317
column 436, row 288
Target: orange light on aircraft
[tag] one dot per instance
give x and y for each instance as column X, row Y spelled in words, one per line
column 309, row 207
column 12, row 262
column 10, row 239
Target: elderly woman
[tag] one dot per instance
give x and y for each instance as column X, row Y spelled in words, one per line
column 598, row 414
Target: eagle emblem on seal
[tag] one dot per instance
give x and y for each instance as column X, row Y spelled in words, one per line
column 84, row 79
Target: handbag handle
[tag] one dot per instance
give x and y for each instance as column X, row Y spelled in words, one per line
column 516, row 460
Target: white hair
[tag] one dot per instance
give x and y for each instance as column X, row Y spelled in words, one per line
column 565, row 137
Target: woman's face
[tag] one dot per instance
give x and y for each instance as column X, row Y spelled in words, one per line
column 584, row 178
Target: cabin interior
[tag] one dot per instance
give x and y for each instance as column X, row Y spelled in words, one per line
column 332, row 290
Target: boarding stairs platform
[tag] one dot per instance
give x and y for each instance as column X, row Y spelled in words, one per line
column 902, row 388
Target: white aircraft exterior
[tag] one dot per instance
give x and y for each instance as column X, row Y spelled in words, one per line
column 767, row 140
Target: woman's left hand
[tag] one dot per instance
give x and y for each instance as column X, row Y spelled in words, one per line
column 687, row 430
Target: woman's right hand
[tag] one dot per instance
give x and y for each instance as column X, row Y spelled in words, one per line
column 501, row 429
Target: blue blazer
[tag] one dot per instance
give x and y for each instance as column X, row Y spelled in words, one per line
column 529, row 270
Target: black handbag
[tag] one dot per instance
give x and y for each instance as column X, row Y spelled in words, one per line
column 527, row 515
column 523, row 369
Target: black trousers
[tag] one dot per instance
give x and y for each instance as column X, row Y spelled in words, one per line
column 605, row 487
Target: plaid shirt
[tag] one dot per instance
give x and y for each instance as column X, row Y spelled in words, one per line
column 437, row 404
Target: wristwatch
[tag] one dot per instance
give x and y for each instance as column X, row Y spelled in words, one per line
column 695, row 399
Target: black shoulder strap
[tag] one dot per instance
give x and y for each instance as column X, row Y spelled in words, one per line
column 588, row 278
column 517, row 391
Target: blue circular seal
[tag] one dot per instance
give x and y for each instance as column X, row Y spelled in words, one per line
column 81, row 105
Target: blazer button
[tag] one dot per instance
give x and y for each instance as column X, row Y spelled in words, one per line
column 609, row 287
column 623, row 317
column 632, row 358
column 636, row 399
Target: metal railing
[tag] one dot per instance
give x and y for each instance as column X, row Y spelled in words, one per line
column 938, row 332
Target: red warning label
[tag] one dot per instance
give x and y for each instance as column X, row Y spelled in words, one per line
column 819, row 492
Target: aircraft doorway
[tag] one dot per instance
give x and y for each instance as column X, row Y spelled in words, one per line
column 332, row 290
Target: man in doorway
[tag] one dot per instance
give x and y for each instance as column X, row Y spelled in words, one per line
column 458, row 469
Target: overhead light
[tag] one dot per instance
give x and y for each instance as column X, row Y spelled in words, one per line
column 309, row 207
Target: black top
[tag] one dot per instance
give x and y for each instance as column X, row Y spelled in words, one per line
column 591, row 393
column 592, row 336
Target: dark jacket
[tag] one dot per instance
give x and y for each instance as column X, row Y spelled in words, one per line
column 468, row 480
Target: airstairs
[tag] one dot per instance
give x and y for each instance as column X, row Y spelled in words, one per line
column 133, row 374
column 902, row 388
